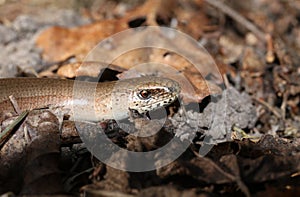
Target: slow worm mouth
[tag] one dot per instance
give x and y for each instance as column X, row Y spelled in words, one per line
column 158, row 104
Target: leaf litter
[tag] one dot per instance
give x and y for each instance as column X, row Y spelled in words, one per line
column 261, row 99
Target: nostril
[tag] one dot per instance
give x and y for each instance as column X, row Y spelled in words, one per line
column 171, row 89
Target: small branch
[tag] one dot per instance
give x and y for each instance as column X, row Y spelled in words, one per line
column 15, row 104
column 270, row 56
column 4, row 135
column 226, row 82
column 284, row 103
column 239, row 18
column 269, row 107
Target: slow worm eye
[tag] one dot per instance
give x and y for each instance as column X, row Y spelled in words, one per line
column 144, row 94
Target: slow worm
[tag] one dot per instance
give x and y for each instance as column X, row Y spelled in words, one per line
column 89, row 101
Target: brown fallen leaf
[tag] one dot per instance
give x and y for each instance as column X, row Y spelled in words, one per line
column 60, row 43
column 92, row 69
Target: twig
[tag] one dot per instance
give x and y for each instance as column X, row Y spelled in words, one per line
column 239, row 18
column 284, row 103
column 270, row 56
column 8, row 130
column 267, row 105
column 226, row 82
column 26, row 134
column 15, row 104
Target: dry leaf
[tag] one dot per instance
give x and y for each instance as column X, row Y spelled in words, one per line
column 91, row 69
column 60, row 43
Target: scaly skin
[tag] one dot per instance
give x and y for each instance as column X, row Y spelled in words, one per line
column 89, row 101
